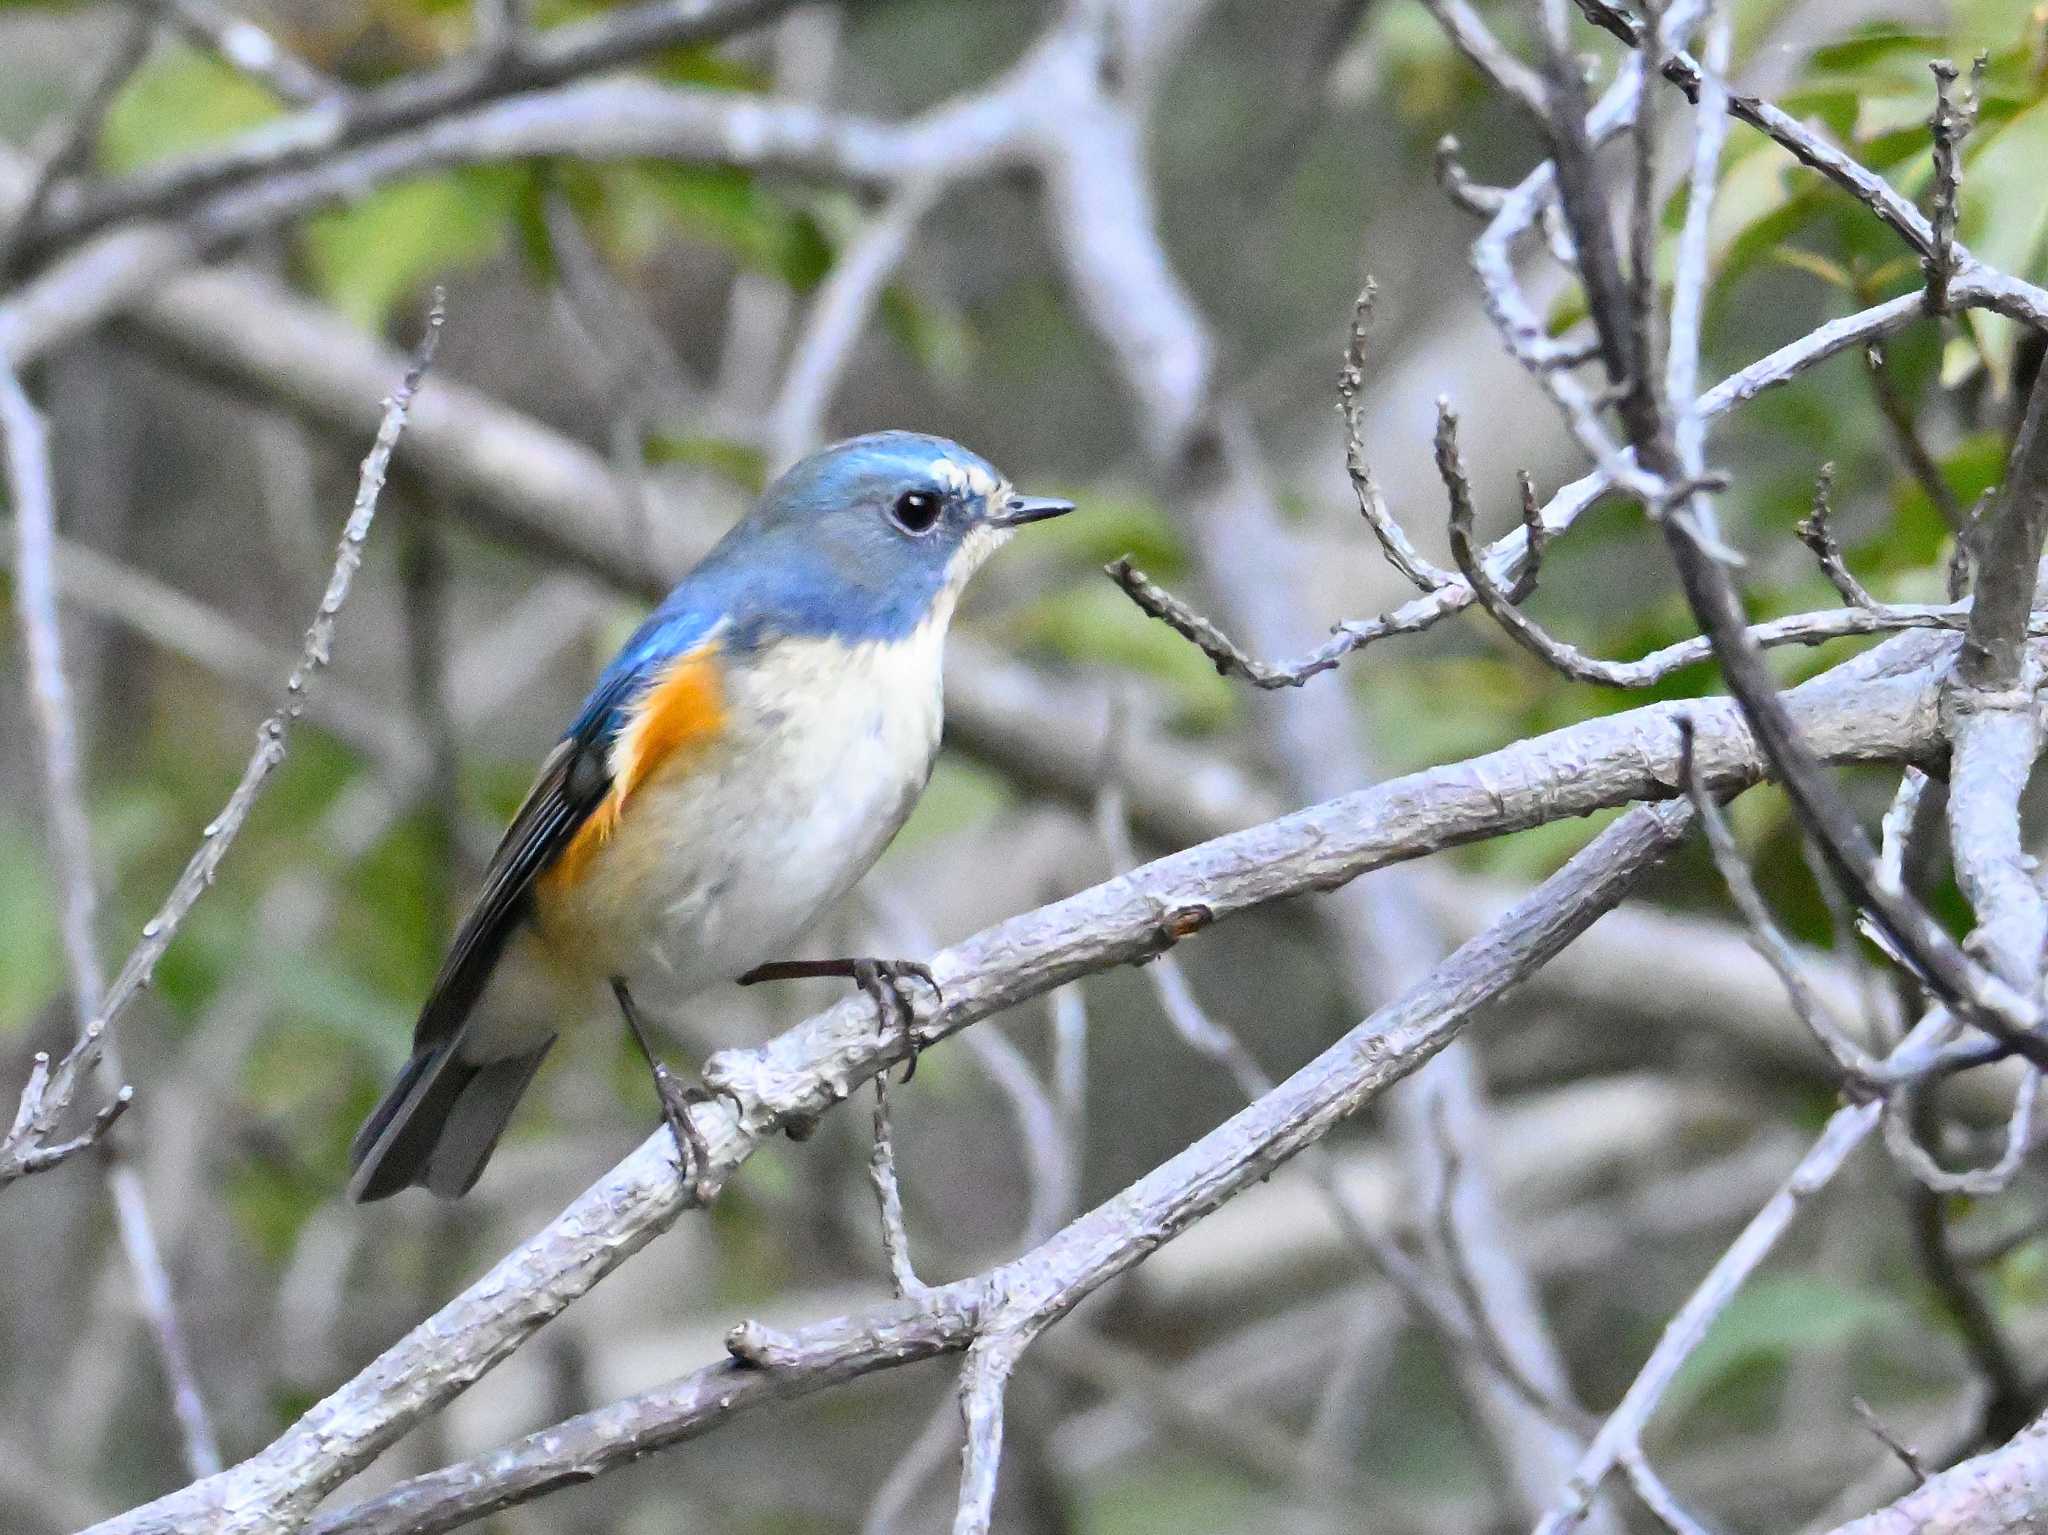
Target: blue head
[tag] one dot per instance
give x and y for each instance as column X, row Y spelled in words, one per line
column 865, row 540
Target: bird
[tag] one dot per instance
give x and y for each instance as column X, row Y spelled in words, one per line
column 741, row 763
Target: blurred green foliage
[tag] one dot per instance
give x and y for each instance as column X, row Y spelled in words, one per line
column 1776, row 1317
column 1788, row 250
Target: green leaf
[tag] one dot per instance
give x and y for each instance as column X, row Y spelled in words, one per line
column 368, row 259
column 1753, row 186
column 1566, row 310
column 327, row 1001
column 742, row 463
column 2004, row 220
column 1443, row 710
column 1113, row 522
column 1815, row 265
column 729, row 207
column 961, row 794
column 1096, row 622
column 181, row 100
column 31, row 973
column 935, row 333
column 1918, row 538
column 1776, row 1316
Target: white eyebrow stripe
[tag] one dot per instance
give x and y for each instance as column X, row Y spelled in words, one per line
column 958, row 477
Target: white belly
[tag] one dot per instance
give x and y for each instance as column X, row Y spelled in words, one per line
column 726, row 861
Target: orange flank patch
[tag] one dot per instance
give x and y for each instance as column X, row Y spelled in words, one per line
column 683, row 712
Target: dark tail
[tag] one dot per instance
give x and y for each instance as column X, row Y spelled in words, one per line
column 439, row 1123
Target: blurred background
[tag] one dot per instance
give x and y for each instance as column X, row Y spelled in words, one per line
column 631, row 329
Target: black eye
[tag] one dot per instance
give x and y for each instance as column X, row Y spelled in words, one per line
column 915, row 511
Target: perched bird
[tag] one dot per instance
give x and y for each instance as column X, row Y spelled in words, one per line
column 739, row 765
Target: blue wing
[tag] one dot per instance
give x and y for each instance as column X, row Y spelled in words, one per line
column 573, row 783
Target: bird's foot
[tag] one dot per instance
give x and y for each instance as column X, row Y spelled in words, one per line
column 677, row 1097
column 881, row 980
column 693, row 1152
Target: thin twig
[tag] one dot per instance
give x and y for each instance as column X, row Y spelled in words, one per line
column 1690, row 279
column 251, row 50
column 1905, row 1123
column 918, row 1464
column 1507, row 557
column 1456, row 1265
column 1470, row 35
column 837, row 317
column 1950, row 125
column 1401, row 553
column 1920, row 462
column 68, row 146
column 889, row 1199
column 1906, row 1454
column 1044, row 1283
column 1659, row 1499
column 1622, row 1431
column 2010, row 1400
column 1830, row 1032
column 28, row 1148
column 1986, row 998
column 271, row 736
column 1480, row 201
column 1816, row 531
column 550, row 57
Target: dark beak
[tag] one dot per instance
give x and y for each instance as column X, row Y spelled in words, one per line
column 1019, row 510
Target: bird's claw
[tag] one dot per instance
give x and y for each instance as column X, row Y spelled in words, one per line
column 882, row 980
column 693, row 1152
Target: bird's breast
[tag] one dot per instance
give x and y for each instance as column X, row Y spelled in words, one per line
column 721, row 858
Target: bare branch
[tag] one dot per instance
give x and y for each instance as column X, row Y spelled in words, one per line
column 1990, row 1002
column 2002, row 1492
column 983, row 1380
column 251, row 50
column 67, row 147
column 1817, row 532
column 1394, row 541
column 31, row 487
column 1857, row 1064
column 271, row 736
column 23, row 1152
column 30, row 1145
column 550, row 57
column 2007, row 568
column 1950, row 125
column 2010, row 1400
column 1907, row 1455
column 1480, row 201
column 1920, row 463
column 1658, row 1498
column 98, row 1010
column 1897, row 828
column 1622, row 1432
column 889, row 1199
column 1604, row 761
column 838, row 315
column 1048, row 1281
column 1506, row 559
column 928, row 1451
column 1689, row 281
column 1470, row 35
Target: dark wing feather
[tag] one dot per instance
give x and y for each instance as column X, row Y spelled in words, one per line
column 573, row 782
